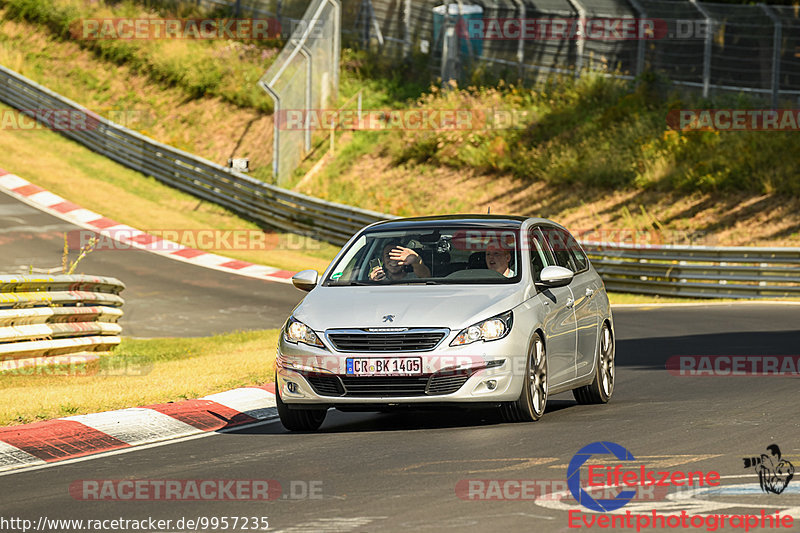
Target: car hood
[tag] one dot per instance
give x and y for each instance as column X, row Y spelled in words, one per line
column 451, row 306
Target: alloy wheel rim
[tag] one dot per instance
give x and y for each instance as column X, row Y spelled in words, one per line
column 607, row 362
column 538, row 378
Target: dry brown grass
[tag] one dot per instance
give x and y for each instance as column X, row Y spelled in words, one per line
column 722, row 219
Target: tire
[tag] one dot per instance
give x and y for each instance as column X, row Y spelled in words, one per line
column 533, row 398
column 602, row 386
column 298, row 419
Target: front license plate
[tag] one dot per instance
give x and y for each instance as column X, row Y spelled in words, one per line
column 384, row 366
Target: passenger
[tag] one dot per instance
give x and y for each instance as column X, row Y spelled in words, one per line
column 497, row 259
column 395, row 258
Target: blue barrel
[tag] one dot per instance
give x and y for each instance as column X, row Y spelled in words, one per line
column 468, row 12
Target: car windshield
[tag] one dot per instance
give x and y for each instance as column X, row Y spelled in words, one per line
column 441, row 255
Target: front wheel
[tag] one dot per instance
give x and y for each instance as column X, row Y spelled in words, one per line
column 298, row 419
column 533, row 398
column 602, row 386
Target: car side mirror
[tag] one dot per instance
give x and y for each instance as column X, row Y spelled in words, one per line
column 555, row 276
column 305, row 280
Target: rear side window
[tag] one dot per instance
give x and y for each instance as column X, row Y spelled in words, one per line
column 579, row 255
column 566, row 249
column 540, row 254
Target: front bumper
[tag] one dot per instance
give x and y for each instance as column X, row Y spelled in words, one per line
column 482, row 372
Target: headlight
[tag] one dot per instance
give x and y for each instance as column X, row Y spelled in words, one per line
column 295, row 331
column 488, row 330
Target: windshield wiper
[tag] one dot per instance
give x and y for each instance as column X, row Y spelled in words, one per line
column 415, row 282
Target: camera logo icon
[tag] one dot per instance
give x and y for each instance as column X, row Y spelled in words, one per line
column 774, row 472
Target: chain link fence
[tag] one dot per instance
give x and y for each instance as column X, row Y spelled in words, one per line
column 710, row 47
column 304, row 77
column 713, row 47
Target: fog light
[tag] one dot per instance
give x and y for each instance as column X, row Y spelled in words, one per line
column 291, row 386
column 491, row 384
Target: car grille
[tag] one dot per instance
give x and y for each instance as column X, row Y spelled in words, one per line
column 447, row 383
column 405, row 341
column 325, row 385
column 385, row 386
column 438, row 384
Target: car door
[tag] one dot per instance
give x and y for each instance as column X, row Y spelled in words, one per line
column 559, row 325
column 569, row 254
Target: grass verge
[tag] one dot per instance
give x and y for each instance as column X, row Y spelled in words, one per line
column 139, row 372
column 200, row 67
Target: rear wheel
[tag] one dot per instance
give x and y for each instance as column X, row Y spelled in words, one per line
column 602, row 386
column 533, row 399
column 298, row 419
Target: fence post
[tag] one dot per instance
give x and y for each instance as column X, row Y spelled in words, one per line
column 278, row 5
column 407, row 28
column 581, row 36
column 449, row 46
column 521, row 42
column 308, row 100
column 640, row 50
column 776, row 54
column 336, row 56
column 365, row 21
column 276, row 130
column 707, row 47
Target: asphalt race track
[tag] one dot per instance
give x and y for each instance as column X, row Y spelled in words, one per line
column 400, row 471
column 164, row 297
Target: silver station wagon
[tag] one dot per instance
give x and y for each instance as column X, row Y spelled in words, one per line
column 459, row 311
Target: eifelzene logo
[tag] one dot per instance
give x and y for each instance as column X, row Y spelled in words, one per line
column 774, row 473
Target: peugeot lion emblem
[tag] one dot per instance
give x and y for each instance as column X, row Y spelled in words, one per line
column 388, row 318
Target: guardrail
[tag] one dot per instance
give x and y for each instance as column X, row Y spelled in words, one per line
column 705, row 272
column 55, row 315
column 242, row 194
column 698, row 271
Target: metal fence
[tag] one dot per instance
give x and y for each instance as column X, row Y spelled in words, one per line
column 714, row 47
column 255, row 200
column 304, row 77
column 698, row 271
column 47, row 316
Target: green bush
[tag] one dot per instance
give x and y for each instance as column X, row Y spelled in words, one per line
column 603, row 132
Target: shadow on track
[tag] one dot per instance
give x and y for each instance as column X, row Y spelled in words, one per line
column 405, row 420
column 652, row 353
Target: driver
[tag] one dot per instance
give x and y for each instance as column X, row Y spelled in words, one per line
column 395, row 257
column 497, row 259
